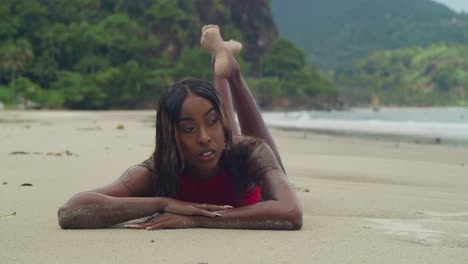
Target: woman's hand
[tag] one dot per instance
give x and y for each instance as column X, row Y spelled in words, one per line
column 165, row 220
column 185, row 208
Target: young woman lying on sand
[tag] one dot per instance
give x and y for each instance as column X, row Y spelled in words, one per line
column 203, row 174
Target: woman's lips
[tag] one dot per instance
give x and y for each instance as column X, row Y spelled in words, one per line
column 207, row 155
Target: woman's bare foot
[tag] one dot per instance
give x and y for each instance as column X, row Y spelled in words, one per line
column 233, row 46
column 221, row 51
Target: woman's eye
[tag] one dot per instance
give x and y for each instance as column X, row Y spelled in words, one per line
column 188, row 129
column 212, row 122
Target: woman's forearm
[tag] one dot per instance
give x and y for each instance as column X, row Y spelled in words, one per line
column 94, row 210
column 264, row 215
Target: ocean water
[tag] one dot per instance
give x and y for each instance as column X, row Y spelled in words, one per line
column 440, row 124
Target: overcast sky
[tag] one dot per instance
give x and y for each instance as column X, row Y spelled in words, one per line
column 457, row 5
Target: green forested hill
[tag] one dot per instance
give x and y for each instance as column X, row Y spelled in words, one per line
column 436, row 75
column 101, row 54
column 336, row 32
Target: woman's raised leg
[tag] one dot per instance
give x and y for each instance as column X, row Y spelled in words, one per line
column 222, row 85
column 225, row 67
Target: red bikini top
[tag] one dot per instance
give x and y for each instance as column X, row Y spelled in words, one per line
column 217, row 190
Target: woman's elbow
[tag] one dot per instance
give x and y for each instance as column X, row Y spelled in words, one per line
column 69, row 214
column 290, row 216
column 65, row 220
column 295, row 218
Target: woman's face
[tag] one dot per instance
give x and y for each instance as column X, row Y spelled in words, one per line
column 201, row 136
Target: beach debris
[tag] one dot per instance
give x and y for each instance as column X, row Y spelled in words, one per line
column 419, row 213
column 26, row 184
column 5, row 183
column 152, row 241
column 8, row 215
column 438, row 140
column 89, row 128
column 301, row 189
column 366, row 226
column 69, row 153
column 18, row 153
column 56, row 154
column 24, row 153
column 120, row 127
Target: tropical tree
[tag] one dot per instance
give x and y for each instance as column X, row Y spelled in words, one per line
column 15, row 57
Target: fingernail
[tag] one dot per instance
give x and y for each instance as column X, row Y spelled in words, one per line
column 228, row 206
column 218, row 214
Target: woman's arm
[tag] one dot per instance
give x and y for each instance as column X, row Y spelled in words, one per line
column 280, row 208
column 282, row 212
column 125, row 199
column 112, row 204
column 95, row 210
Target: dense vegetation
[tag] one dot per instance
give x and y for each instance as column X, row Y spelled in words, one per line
column 287, row 76
column 401, row 52
column 101, row 54
column 336, row 32
column 437, row 75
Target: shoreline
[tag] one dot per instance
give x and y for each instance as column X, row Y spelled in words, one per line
column 426, row 126
column 370, row 135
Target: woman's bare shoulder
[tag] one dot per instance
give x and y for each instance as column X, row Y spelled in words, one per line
column 256, row 155
column 241, row 141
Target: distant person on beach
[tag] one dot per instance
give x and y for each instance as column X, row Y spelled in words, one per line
column 205, row 171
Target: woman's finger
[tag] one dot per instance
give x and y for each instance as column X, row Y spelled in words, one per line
column 138, row 226
column 212, row 207
column 159, row 225
column 147, row 223
column 219, row 207
column 206, row 213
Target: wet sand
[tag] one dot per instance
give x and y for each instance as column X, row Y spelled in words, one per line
column 364, row 201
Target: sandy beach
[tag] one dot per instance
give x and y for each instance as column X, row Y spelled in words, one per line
column 363, row 201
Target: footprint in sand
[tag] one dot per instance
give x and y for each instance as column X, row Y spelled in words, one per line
column 410, row 230
column 435, row 229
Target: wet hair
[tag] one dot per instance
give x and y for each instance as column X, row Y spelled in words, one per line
column 168, row 161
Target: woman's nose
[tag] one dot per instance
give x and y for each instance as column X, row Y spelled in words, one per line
column 204, row 137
